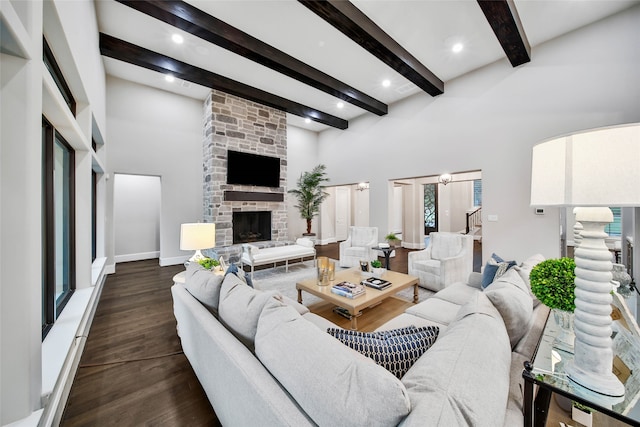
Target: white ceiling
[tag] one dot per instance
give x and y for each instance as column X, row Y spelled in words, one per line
column 425, row 28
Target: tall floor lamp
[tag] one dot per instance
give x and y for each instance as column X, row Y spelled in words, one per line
column 591, row 170
column 197, row 236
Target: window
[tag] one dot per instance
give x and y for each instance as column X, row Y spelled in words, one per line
column 51, row 64
column 58, row 281
column 477, row 192
column 615, row 228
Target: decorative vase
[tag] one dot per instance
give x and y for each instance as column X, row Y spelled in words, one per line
column 378, row 271
column 566, row 337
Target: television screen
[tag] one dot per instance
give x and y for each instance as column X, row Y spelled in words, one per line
column 252, row 169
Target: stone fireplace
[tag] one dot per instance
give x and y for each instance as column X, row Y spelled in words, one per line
column 251, row 226
column 233, row 123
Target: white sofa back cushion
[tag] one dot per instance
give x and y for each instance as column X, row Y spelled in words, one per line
column 363, row 236
column 240, row 307
column 333, row 384
column 463, row 379
column 510, row 296
column 204, row 285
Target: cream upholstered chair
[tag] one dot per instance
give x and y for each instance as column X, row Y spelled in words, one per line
column 358, row 246
column 447, row 259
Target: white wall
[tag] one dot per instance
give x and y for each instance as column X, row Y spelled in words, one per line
column 488, row 120
column 302, row 156
column 153, row 132
column 136, row 217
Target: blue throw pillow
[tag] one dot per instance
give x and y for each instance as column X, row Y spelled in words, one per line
column 246, row 278
column 495, row 268
column 395, row 350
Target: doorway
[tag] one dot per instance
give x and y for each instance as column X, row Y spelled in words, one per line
column 430, row 208
column 136, row 217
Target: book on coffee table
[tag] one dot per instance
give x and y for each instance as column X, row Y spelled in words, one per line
column 348, row 289
column 376, row 283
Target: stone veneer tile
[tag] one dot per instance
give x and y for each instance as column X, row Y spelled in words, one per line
column 233, row 123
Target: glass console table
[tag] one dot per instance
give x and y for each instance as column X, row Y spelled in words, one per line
column 547, row 372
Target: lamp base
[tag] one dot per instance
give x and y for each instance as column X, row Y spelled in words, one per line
column 197, row 256
column 607, row 384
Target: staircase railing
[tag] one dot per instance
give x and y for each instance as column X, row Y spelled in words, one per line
column 474, row 219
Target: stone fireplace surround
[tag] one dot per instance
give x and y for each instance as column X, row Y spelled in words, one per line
column 233, row 123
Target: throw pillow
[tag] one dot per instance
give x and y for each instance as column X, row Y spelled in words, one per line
column 524, row 270
column 240, row 274
column 495, row 268
column 204, row 286
column 395, row 350
column 510, row 296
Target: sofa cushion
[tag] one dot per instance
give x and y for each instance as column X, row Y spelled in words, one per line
column 458, row 293
column 463, row 380
column 436, row 310
column 494, row 268
column 405, row 319
column 395, row 350
column 510, row 296
column 240, row 307
column 204, row 286
column 332, row 383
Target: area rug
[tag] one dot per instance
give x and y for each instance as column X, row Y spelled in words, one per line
column 285, row 282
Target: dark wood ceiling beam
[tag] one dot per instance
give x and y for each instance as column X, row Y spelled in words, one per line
column 136, row 55
column 505, row 22
column 194, row 21
column 348, row 19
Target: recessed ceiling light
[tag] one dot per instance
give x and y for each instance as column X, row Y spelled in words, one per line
column 457, row 47
column 169, row 78
column 386, row 83
column 340, row 104
column 177, row 38
column 307, row 120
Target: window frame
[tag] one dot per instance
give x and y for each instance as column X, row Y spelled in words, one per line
column 52, row 306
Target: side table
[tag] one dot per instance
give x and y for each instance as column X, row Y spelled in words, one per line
column 387, row 254
column 546, row 370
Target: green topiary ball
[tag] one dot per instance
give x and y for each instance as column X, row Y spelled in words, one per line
column 553, row 283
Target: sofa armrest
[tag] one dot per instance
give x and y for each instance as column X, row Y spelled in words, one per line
column 420, row 255
column 248, row 251
column 304, row 241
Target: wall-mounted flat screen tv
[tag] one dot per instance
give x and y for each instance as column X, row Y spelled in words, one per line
column 252, row 169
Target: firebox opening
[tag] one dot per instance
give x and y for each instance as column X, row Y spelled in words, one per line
column 251, row 226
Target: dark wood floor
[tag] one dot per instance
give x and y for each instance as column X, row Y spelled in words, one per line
column 132, row 371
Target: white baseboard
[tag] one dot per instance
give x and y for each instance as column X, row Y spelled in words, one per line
column 137, row 257
column 110, row 269
column 173, row 260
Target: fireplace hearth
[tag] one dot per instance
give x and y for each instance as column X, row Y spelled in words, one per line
column 251, row 226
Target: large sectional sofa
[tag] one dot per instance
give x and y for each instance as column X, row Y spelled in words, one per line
column 265, row 360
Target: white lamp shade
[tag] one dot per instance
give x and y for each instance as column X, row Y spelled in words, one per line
column 196, row 236
column 598, row 167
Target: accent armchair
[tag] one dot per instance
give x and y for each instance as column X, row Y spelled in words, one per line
column 447, row 259
column 358, row 246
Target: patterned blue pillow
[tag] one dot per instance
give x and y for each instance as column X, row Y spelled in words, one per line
column 396, row 350
column 495, row 268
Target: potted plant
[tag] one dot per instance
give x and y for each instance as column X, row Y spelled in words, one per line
column 310, row 194
column 208, row 263
column 553, row 283
column 376, row 268
column 392, row 239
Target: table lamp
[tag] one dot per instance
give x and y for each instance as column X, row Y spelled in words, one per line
column 590, row 170
column 197, row 236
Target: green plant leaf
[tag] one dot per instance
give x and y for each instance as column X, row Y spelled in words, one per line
column 553, row 283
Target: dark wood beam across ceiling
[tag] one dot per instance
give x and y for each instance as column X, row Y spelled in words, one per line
column 348, row 19
column 505, row 22
column 136, row 55
column 194, row 21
